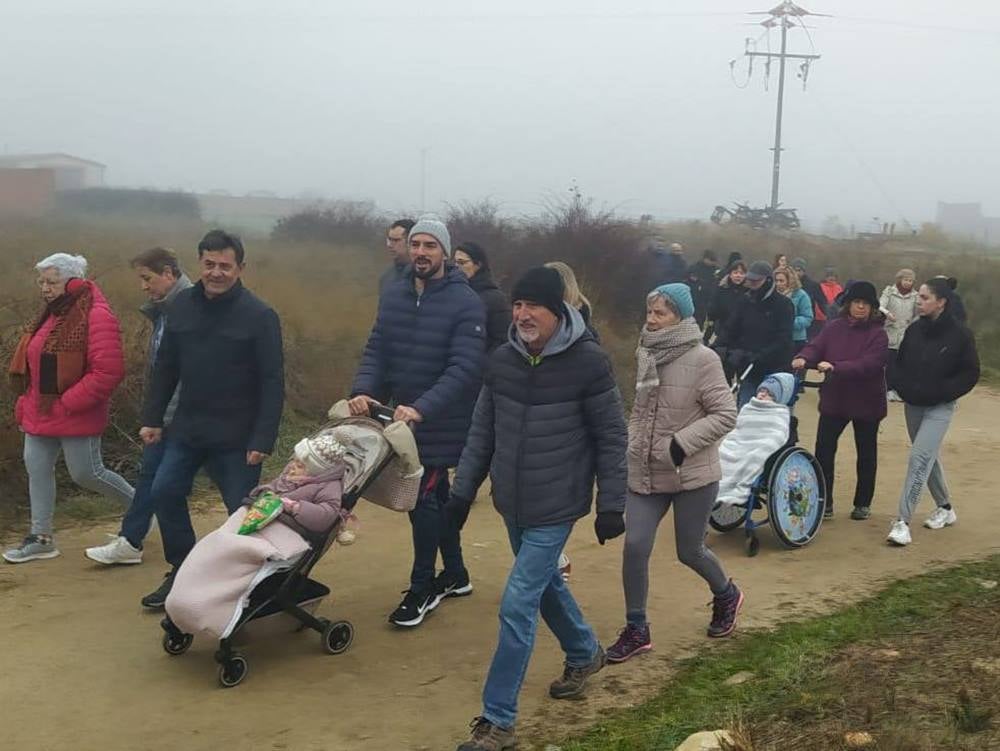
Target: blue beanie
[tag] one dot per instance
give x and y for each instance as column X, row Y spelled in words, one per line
column 678, row 296
column 779, row 385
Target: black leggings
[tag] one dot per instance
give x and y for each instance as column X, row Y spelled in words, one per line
column 866, row 443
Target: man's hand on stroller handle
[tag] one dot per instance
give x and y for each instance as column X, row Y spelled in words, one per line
column 407, row 414
column 150, row 436
column 255, row 457
column 360, row 405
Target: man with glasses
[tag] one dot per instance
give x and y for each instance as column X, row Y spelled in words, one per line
column 399, row 253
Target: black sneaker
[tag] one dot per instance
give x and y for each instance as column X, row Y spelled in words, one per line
column 448, row 585
column 860, row 513
column 414, row 607
column 156, row 599
column 828, row 512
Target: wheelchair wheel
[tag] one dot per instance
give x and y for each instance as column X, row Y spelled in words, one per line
column 727, row 516
column 796, row 497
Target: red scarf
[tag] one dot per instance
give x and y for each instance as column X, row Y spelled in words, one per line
column 64, row 354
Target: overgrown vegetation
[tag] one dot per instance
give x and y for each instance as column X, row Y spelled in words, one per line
column 319, row 269
column 914, row 668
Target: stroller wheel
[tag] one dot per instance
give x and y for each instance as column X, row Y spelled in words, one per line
column 337, row 637
column 233, row 671
column 177, row 644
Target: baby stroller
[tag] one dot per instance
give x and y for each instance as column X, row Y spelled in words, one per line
column 791, row 487
column 290, row 590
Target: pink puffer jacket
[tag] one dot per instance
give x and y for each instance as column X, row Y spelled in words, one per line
column 82, row 410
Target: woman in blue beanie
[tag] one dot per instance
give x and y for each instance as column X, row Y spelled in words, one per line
column 683, row 407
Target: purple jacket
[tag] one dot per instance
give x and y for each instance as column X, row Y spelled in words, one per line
column 858, row 352
column 319, row 498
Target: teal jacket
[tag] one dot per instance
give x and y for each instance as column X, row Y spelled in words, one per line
column 803, row 315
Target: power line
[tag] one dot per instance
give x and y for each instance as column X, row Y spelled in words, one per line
column 785, row 16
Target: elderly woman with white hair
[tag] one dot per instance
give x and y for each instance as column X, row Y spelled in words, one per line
column 683, row 408
column 65, row 368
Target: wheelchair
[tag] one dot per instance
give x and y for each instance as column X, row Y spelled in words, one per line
column 791, row 489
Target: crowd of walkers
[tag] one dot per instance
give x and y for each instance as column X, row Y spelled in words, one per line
column 516, row 389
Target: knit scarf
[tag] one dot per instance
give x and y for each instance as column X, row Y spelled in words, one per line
column 64, row 354
column 657, row 348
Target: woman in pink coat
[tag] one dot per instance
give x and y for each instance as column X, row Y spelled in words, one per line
column 65, row 368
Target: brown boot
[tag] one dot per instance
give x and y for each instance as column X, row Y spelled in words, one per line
column 488, row 737
column 574, row 680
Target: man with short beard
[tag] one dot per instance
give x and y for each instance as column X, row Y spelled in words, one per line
column 426, row 352
column 549, row 422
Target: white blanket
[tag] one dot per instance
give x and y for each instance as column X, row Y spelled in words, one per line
column 761, row 429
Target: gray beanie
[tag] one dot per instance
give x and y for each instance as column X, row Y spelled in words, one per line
column 429, row 224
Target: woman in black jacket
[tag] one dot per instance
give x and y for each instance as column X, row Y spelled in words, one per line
column 473, row 262
column 937, row 364
column 731, row 289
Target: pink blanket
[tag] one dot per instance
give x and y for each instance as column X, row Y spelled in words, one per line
column 214, row 582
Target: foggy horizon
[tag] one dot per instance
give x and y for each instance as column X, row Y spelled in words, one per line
column 634, row 102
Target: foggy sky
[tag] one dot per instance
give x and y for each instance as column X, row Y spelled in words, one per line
column 513, row 100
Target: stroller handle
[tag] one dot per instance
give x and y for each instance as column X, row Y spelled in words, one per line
column 381, row 413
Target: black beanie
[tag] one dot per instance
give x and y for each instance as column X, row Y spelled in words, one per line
column 542, row 286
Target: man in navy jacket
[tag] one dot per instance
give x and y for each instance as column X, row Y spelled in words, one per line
column 426, row 351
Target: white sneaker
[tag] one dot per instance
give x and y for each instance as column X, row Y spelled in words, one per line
column 892, row 396
column 942, row 517
column 565, row 567
column 900, row 533
column 119, row 550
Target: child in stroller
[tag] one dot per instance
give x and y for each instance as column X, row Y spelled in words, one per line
column 224, row 566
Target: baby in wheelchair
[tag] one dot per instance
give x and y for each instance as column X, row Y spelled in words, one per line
column 763, row 426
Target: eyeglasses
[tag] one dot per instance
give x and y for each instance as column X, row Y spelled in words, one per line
column 390, row 241
column 462, row 261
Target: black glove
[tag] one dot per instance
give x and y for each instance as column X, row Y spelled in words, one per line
column 677, row 455
column 609, row 525
column 456, row 511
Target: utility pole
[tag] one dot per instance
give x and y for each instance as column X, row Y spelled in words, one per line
column 423, row 180
column 782, row 15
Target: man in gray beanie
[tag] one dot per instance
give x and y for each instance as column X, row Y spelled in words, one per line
column 425, row 353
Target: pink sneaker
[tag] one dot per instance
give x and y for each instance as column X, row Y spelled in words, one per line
column 633, row 640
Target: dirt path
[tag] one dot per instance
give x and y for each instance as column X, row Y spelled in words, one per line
column 82, row 665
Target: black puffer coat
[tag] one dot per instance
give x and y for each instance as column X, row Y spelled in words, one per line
column 497, row 309
column 937, row 362
column 544, row 427
column 761, row 326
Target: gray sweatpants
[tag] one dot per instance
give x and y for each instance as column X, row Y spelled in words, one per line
column 643, row 513
column 927, row 427
column 83, row 460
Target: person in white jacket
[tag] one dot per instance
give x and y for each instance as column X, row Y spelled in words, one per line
column 898, row 304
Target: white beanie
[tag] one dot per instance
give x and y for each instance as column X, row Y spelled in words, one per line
column 429, row 224
column 320, row 453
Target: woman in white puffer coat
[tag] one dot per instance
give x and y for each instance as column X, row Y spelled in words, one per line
column 898, row 304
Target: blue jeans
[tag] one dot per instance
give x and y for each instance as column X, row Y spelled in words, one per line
column 228, row 469
column 135, row 523
column 534, row 585
column 431, row 532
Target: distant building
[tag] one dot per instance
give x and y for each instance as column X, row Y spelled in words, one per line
column 29, row 182
column 966, row 220
column 70, row 172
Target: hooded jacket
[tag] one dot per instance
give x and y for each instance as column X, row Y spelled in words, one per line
column 937, row 362
column 426, row 351
column 545, row 427
column 761, row 326
column 394, row 273
column 156, row 312
column 724, row 303
column 498, row 309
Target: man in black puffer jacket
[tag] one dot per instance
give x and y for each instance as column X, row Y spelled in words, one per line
column 759, row 332
column 549, row 419
column 426, row 351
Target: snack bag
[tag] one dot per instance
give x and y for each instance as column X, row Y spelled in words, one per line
column 264, row 510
